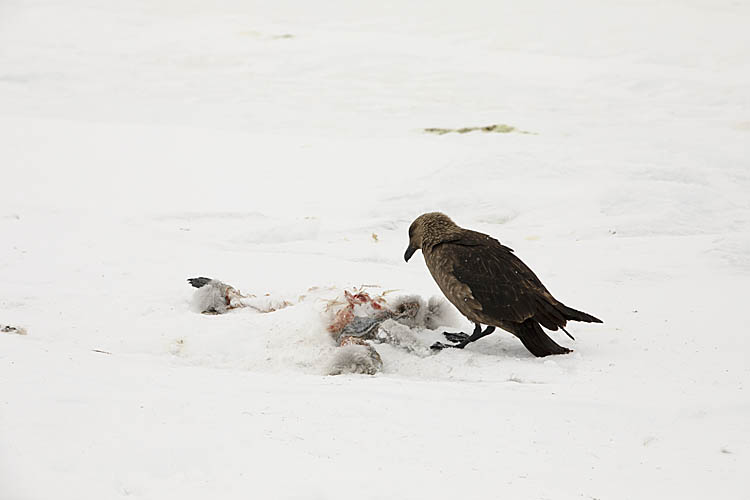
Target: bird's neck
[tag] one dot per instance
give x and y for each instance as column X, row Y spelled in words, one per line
column 437, row 235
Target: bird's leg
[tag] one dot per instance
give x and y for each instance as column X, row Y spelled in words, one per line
column 462, row 339
column 478, row 334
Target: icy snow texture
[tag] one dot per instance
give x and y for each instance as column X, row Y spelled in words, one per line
column 355, row 358
column 144, row 142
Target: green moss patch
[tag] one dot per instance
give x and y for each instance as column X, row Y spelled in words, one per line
column 499, row 128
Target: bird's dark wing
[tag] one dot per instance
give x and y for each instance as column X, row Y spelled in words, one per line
column 504, row 286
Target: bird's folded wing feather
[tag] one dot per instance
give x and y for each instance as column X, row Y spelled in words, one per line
column 504, row 286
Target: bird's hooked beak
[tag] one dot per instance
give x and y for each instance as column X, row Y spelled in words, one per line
column 409, row 252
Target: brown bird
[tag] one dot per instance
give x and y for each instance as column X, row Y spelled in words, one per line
column 489, row 285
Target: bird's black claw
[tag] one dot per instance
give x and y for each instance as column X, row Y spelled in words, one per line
column 455, row 337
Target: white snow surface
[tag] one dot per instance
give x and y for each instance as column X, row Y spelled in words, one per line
column 279, row 146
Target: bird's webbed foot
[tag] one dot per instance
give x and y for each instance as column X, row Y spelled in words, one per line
column 439, row 346
column 461, row 340
column 458, row 341
column 455, row 337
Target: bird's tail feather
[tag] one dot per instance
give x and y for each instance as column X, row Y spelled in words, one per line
column 536, row 341
column 575, row 315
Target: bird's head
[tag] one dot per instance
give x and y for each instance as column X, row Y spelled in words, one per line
column 427, row 230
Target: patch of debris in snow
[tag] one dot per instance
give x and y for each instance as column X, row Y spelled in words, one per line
column 214, row 297
column 12, row 329
column 356, row 320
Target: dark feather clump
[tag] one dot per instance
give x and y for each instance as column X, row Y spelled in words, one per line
column 199, row 282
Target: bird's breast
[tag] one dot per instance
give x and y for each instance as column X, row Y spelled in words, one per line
column 440, row 265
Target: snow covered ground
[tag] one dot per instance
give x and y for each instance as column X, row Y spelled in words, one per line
column 265, row 143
